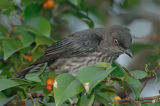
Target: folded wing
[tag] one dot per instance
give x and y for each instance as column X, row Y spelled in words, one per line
column 79, row 43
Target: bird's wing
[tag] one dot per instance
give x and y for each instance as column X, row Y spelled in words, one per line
column 76, row 44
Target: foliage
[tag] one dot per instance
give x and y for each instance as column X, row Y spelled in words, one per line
column 24, row 42
column 80, row 88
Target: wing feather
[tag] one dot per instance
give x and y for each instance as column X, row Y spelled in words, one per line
column 80, row 43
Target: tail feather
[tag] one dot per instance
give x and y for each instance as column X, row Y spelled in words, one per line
column 30, row 69
column 22, row 74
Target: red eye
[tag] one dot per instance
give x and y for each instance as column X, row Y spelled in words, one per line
column 116, row 41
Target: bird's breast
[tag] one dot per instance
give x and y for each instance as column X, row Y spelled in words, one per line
column 72, row 65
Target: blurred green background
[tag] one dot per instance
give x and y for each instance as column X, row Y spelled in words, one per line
column 28, row 27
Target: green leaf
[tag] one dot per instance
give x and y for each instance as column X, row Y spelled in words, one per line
column 5, row 4
column 2, row 95
column 27, row 39
column 23, row 29
column 37, row 87
column 81, row 15
column 7, row 83
column 1, row 54
column 37, row 53
column 31, row 9
column 4, row 100
column 90, row 76
column 3, row 30
column 43, row 40
column 135, row 86
column 10, row 46
column 86, row 101
column 75, row 2
column 66, row 86
column 152, row 104
column 51, row 104
column 138, row 74
column 103, row 65
column 35, row 75
column 86, row 19
column 40, row 25
column 118, row 72
column 103, row 98
column 20, row 81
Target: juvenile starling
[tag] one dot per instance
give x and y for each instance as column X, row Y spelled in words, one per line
column 82, row 49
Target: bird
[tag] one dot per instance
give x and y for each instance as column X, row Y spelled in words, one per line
column 83, row 48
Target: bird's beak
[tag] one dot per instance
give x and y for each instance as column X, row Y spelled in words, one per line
column 128, row 52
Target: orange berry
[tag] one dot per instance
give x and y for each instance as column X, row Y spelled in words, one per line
column 117, row 98
column 48, row 4
column 49, row 87
column 28, row 57
column 50, row 81
column 19, row 37
column 45, row 5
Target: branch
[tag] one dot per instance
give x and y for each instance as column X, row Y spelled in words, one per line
column 139, row 102
column 122, row 80
column 147, row 79
column 150, row 98
column 124, row 88
column 10, row 32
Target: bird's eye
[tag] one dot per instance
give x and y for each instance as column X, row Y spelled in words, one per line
column 115, row 41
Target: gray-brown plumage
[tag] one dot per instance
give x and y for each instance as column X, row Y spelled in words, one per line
column 82, row 49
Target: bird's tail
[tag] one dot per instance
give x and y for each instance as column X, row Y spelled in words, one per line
column 30, row 69
column 22, row 74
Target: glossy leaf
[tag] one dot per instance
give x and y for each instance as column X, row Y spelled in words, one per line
column 118, row 72
column 138, row 74
column 51, row 104
column 103, row 65
column 104, row 97
column 43, row 40
column 86, row 100
column 75, row 2
column 20, row 81
column 135, row 86
column 66, row 86
column 10, row 46
column 152, row 104
column 27, row 39
column 90, row 76
column 84, row 17
column 31, row 9
column 40, row 25
column 3, row 30
column 4, row 100
column 35, row 76
column 7, row 83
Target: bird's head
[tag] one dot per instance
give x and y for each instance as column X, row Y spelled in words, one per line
column 120, row 40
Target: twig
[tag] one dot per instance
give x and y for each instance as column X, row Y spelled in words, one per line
column 147, row 79
column 116, row 78
column 30, row 96
column 12, row 30
column 127, row 101
column 141, row 100
column 122, row 80
column 124, row 88
column 36, row 95
column 139, row 104
column 150, row 98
